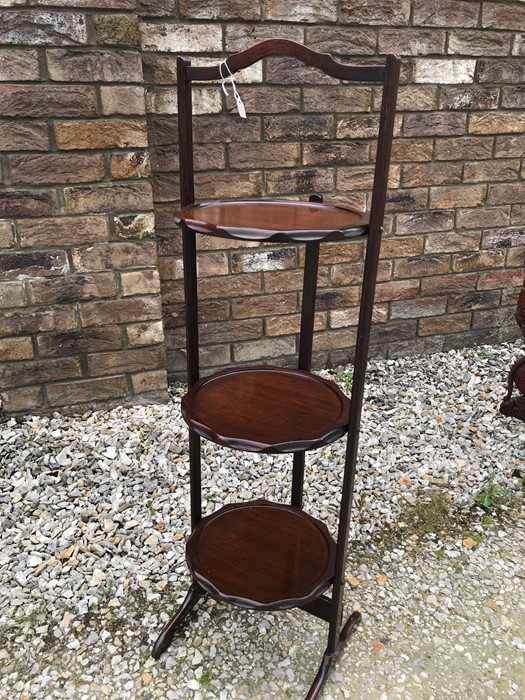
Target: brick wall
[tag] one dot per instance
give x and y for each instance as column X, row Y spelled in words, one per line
column 79, row 290
column 452, row 260
column 80, row 276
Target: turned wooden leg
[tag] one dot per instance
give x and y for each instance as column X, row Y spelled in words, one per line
column 166, row 636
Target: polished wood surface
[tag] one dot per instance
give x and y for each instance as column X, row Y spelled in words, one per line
column 291, row 49
column 267, row 409
column 262, row 555
column 267, row 555
column 274, row 220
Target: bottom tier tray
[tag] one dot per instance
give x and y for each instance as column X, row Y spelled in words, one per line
column 262, row 555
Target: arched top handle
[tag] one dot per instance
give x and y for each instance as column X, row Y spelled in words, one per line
column 290, row 49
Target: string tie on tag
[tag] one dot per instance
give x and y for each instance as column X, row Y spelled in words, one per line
column 225, row 78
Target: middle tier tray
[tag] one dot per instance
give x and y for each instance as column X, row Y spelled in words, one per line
column 262, row 555
column 267, row 409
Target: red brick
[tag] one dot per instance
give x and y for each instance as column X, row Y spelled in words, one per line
column 118, row 255
column 398, row 330
column 144, row 382
column 86, row 391
column 122, row 99
column 495, row 279
column 496, row 123
column 291, row 323
column 478, row 260
column 326, row 153
column 397, row 290
column 23, row 135
column 18, row 64
column 506, row 194
column 418, row 308
column 410, row 150
column 101, row 133
column 47, row 101
column 36, row 263
column 117, row 29
column 38, row 320
column 229, row 286
column 130, row 165
column 350, row 317
column 129, row 310
column 422, row 266
column 12, row 294
column 304, row 181
column 407, row 199
column 468, row 97
column 88, row 65
column 435, row 124
column 452, row 242
column 478, row 218
column 72, row 288
column 503, row 238
column 140, row 282
column 491, row 171
column 55, row 168
column 232, row 185
column 460, row 196
column 465, row 148
column 14, row 203
column 107, row 363
column 59, row 230
column 479, row 43
column 352, row 273
column 76, row 342
column 420, row 174
column 219, row 129
column 508, row 146
column 453, row 323
column 334, row 298
column 298, row 127
column 411, row 42
column 446, row 13
column 7, row 234
column 268, row 305
column 259, row 349
column 448, row 284
column 37, row 28
column 396, row 12
column 24, row 399
column 401, row 246
column 38, row 371
column 265, row 155
column 110, row 198
column 266, row 100
column 148, row 333
column 241, row 36
column 16, row 349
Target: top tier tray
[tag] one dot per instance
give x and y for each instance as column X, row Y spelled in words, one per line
column 274, row 220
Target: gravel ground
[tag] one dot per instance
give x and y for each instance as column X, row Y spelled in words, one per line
column 95, row 512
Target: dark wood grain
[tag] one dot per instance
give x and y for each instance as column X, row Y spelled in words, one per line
column 291, row 49
column 266, row 409
column 274, row 220
column 262, row 555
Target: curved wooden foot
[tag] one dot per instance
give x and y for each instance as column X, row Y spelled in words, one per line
column 514, row 407
column 321, row 677
column 350, row 625
column 168, row 631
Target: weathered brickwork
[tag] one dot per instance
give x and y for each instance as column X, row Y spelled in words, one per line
column 79, row 288
column 454, row 246
column 90, row 269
